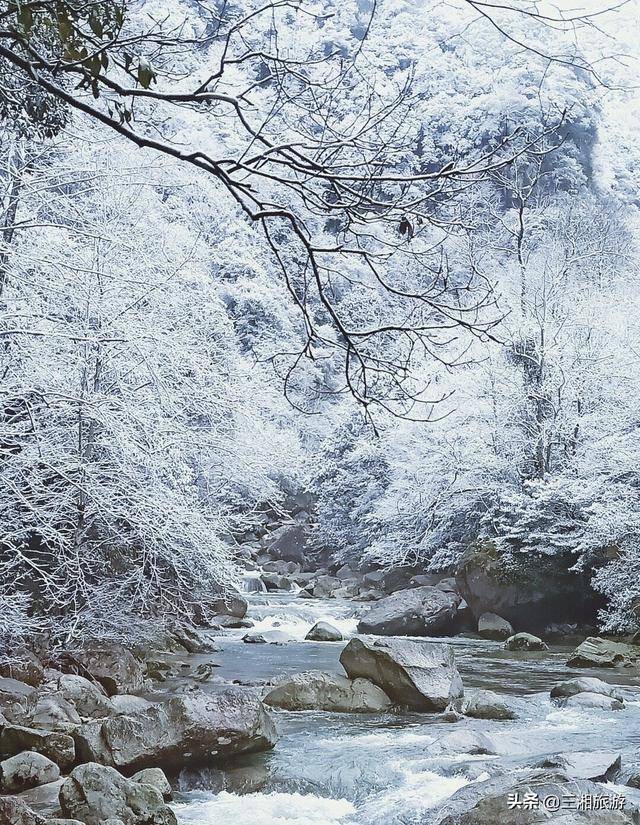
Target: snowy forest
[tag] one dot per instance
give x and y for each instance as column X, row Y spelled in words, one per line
column 389, row 265
column 323, row 302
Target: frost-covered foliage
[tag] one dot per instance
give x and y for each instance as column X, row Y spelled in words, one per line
column 138, row 433
column 385, row 253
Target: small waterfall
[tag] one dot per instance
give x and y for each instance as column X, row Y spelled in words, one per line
column 252, row 583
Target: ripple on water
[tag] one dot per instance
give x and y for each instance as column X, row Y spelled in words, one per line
column 265, row 809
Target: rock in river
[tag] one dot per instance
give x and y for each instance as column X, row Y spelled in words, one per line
column 584, row 684
column 197, row 728
column 313, row 690
column 524, row 641
column 596, row 652
column 485, row 704
column 324, row 632
column 494, row 627
column 95, row 794
column 601, row 766
column 422, row 611
column 488, row 803
column 420, row 675
column 592, row 700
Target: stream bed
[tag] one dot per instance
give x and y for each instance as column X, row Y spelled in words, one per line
column 360, row 769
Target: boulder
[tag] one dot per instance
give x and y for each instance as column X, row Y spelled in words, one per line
column 190, row 638
column 232, row 604
column 491, row 626
column 155, row 777
column 288, row 542
column 596, row 652
column 59, row 747
column 23, row 666
column 592, row 700
column 464, row 741
column 272, row 637
column 487, row 803
column 125, row 703
column 424, row 611
column 542, row 591
column 600, row 766
column 344, row 573
column 324, row 691
column 373, row 579
column 95, row 793
column 524, row 641
column 324, row 586
column 419, row 675
column 14, row 811
column 88, row 698
column 365, row 595
column 398, row 578
column 584, row 684
column 485, row 704
column 49, row 710
column 26, row 770
column 348, row 590
column 13, row 696
column 323, row 632
column 229, row 623
column 275, row 581
column 283, row 568
column 196, row 728
column 110, row 664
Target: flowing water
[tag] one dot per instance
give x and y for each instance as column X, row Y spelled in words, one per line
column 353, row 769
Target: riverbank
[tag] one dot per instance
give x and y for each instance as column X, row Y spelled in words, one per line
column 388, row 768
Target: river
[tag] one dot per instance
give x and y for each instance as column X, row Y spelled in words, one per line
column 352, row 769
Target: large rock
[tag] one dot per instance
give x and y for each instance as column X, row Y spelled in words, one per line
column 195, row 728
column 88, row 698
column 13, row 698
column 584, row 684
column 26, row 770
column 541, row 591
column 59, row 747
column 288, row 542
column 190, row 638
column 95, row 794
column 313, row 690
column 110, row 664
column 596, row 652
column 276, row 581
column 485, row 704
column 324, row 632
column 325, row 586
column 601, row 766
column 419, row 675
column 233, row 604
column 592, row 700
column 423, row 611
column 155, row 777
column 524, row 641
column 25, row 667
column 488, row 803
column 492, row 626
column 49, row 710
column 14, row 811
